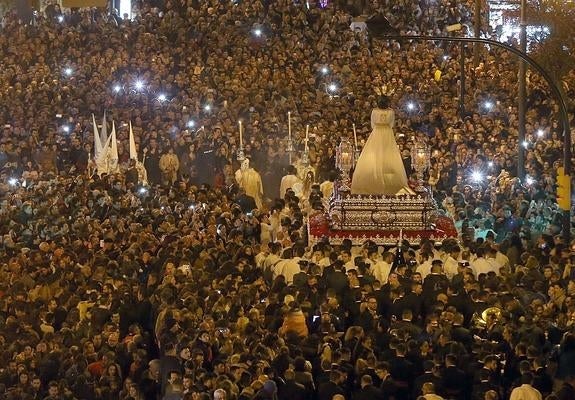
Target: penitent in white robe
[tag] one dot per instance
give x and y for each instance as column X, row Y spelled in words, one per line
column 250, row 180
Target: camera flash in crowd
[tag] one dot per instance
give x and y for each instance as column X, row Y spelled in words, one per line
column 540, row 133
column 162, row 97
column 143, row 190
column 476, row 176
column 117, row 88
column 324, row 70
column 12, row 181
column 332, row 87
column 207, row 107
column 411, row 106
column 139, row 85
column 257, row 32
column 490, row 164
column 525, row 144
column 488, row 105
column 445, row 57
column 60, row 18
column 529, row 180
column 66, row 128
column 68, row 71
column 191, row 123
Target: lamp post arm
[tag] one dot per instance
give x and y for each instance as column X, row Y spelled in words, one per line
column 557, row 93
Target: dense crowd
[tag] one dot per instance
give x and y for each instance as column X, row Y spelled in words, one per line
column 187, row 288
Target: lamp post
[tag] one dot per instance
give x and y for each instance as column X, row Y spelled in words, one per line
column 522, row 94
column 462, row 80
column 557, row 94
column 477, row 31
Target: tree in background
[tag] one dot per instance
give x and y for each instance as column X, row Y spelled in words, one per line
column 5, row 6
column 554, row 51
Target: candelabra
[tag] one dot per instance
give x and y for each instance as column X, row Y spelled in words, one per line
column 290, row 149
column 241, row 154
column 305, row 157
column 357, row 153
column 420, row 162
column 345, row 162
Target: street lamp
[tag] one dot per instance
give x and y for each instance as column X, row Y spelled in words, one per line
column 557, row 94
column 521, row 110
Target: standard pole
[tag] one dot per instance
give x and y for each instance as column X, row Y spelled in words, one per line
column 567, row 167
column 522, row 95
column 477, row 32
column 462, row 80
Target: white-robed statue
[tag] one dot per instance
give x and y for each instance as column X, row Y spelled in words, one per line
column 250, row 180
column 379, row 169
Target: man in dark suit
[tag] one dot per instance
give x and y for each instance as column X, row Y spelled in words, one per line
column 461, row 334
column 460, row 300
column 337, row 279
column 434, row 283
column 430, row 375
column 542, row 380
column 388, row 387
column 454, row 380
column 328, row 389
column 368, row 391
column 484, row 385
column 406, row 324
column 300, row 279
column 292, row 390
column 246, row 202
column 401, row 372
column 414, row 301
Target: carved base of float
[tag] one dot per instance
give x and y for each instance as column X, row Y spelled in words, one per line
column 381, row 219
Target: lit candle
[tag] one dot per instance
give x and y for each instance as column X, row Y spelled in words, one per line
column 289, row 125
column 354, row 136
column 400, row 236
column 241, row 134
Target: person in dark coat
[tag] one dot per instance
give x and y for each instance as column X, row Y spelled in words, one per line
column 388, row 386
column 337, row 279
column 152, row 164
column 268, row 391
column 368, row 391
column 430, row 375
column 132, row 176
column 401, row 372
column 291, row 390
column 327, row 390
column 484, row 385
column 542, row 380
column 246, row 203
column 454, row 380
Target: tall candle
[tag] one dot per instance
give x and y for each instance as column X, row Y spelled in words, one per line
column 400, row 236
column 306, row 135
column 354, row 136
column 241, row 134
column 289, row 125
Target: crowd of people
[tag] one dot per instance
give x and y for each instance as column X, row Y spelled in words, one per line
column 187, row 287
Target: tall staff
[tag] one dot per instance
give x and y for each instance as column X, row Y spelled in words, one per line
column 290, row 143
column 241, row 155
